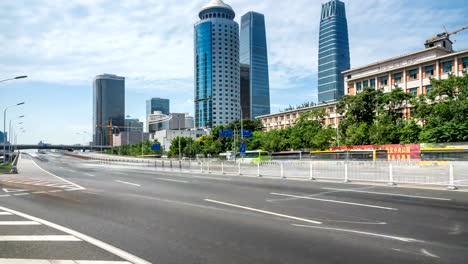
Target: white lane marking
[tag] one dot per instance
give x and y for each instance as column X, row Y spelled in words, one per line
column 129, row 183
column 89, row 174
column 54, row 191
column 5, row 213
column 11, row 190
column 334, row 201
column 404, row 239
column 390, row 194
column 125, row 255
column 58, row 261
column 40, row 238
column 429, row 254
column 19, row 223
column 20, row 194
column 211, row 178
column 39, row 192
column 5, row 195
column 67, row 181
column 171, row 180
column 265, row 212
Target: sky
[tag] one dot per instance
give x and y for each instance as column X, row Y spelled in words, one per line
column 62, row 44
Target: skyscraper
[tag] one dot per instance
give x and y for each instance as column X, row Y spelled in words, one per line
column 108, row 105
column 333, row 51
column 217, row 88
column 156, row 104
column 255, row 86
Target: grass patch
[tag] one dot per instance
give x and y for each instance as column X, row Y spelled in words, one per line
column 5, row 168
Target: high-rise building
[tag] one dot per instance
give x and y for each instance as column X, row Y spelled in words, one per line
column 3, row 137
column 255, row 87
column 133, row 125
column 217, row 77
column 108, row 105
column 156, row 104
column 333, row 51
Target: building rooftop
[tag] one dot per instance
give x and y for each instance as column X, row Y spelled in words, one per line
column 216, row 3
column 109, row 76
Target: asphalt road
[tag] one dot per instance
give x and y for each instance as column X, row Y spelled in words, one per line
column 168, row 217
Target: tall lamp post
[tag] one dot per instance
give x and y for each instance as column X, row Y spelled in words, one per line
column 10, row 132
column 4, row 127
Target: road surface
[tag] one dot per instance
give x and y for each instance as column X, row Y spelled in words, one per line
column 64, row 208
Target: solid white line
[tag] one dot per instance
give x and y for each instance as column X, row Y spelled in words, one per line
column 265, row 212
column 19, row 223
column 5, row 213
column 58, row 261
column 334, row 201
column 40, row 238
column 129, row 183
column 125, row 255
column 390, row 194
column 89, row 174
column 20, row 194
column 67, row 181
column 429, row 254
column 404, row 239
column 171, row 180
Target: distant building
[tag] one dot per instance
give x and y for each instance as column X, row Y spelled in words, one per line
column 333, row 51
column 175, row 121
column 255, row 86
column 133, row 124
column 108, row 106
column 165, row 137
column 189, row 121
column 216, row 59
column 156, row 104
column 3, row 137
column 129, row 138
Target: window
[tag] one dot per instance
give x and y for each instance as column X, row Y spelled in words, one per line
column 365, row 83
column 413, row 74
column 372, row 83
column 447, row 66
column 428, row 89
column 465, row 63
column 429, row 71
column 397, row 77
column 414, row 91
column 358, row 86
column 383, row 81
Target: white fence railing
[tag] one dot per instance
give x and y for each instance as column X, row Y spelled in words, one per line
column 399, row 172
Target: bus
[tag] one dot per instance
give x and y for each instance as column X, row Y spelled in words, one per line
column 441, row 156
column 290, row 155
column 371, row 154
column 254, row 156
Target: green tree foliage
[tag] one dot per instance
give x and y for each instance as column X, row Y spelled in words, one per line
column 136, row 149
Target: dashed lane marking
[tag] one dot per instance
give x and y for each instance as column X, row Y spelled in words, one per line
column 57, row 261
column 3, row 223
column 129, row 183
column 335, row 201
column 40, row 238
column 171, row 180
column 5, row 213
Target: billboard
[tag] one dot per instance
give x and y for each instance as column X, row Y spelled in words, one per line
column 395, row 151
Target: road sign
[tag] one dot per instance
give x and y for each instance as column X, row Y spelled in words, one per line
column 242, row 147
column 156, row 147
column 247, row 133
column 225, row 133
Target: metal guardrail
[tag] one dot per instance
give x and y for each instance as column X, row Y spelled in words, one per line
column 450, row 175
column 14, row 167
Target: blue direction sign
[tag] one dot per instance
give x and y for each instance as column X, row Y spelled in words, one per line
column 225, row 133
column 247, row 133
column 156, row 147
column 242, row 147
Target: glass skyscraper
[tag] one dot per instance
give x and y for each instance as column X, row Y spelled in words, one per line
column 217, row 71
column 156, row 104
column 255, row 86
column 333, row 51
column 108, row 105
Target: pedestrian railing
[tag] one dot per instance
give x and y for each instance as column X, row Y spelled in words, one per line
column 451, row 175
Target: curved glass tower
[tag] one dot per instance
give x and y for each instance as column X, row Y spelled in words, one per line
column 333, row 51
column 217, row 71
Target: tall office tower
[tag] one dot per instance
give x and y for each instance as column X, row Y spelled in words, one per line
column 108, row 105
column 156, row 104
column 217, row 77
column 255, row 86
column 333, row 51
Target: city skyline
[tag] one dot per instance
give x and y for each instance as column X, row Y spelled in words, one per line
column 61, row 70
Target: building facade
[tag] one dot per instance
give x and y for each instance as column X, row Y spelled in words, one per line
column 133, row 124
column 3, row 137
column 175, row 121
column 108, row 107
column 156, row 104
column 255, row 85
column 217, row 72
column 411, row 73
column 333, row 54
column 165, row 137
column 129, row 138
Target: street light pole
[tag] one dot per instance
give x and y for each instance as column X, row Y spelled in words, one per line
column 14, row 78
column 180, row 151
column 4, row 129
column 10, row 134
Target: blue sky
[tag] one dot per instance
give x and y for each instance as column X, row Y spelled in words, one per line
column 61, row 45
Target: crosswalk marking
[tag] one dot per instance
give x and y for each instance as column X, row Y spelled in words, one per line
column 19, row 223
column 40, row 238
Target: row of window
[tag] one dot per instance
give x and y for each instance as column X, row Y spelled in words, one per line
column 217, row 15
